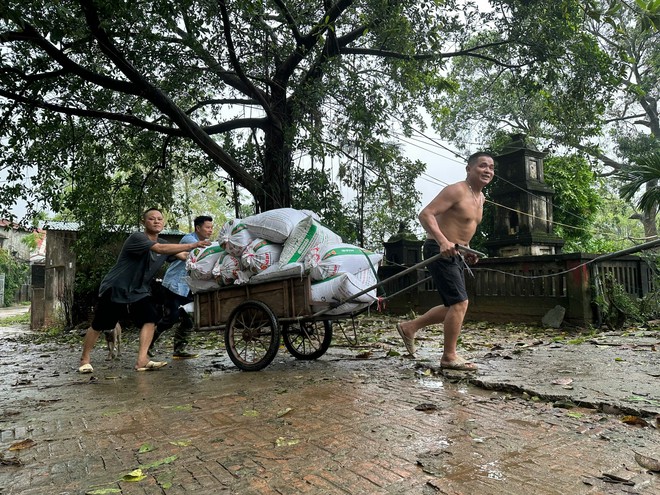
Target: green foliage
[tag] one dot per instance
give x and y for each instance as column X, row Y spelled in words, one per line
column 312, row 189
column 21, row 319
column 576, row 201
column 642, row 175
column 15, row 275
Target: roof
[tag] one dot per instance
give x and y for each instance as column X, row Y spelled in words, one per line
column 75, row 227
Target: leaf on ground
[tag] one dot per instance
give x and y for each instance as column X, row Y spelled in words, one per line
column 426, row 407
column 181, row 407
column 284, row 411
column 11, row 461
column 634, row 420
column 160, row 462
column 145, row 447
column 286, row 442
column 575, row 414
column 23, row 444
column 250, row 413
column 647, row 462
column 562, row 381
column 134, row 476
column 181, row 443
column 103, row 491
column 364, row 355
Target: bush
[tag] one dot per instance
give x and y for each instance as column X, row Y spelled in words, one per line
column 15, row 273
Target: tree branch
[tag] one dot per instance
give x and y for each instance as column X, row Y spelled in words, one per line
column 165, row 104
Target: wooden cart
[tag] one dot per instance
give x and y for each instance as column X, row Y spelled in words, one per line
column 256, row 316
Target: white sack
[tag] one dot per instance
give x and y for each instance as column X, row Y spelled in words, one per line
column 235, row 236
column 197, row 285
column 259, row 255
column 275, row 225
column 306, row 235
column 343, row 287
column 328, row 260
column 278, row 272
column 228, row 270
column 201, row 261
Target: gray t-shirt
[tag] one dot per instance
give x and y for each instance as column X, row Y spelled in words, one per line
column 130, row 278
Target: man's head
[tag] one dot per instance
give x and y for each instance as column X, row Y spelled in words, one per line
column 153, row 221
column 480, row 167
column 204, row 226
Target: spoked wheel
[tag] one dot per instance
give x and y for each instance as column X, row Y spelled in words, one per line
column 252, row 336
column 307, row 339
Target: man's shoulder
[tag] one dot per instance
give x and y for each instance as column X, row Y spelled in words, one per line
column 188, row 238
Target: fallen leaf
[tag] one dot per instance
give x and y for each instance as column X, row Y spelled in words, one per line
column 634, row 420
column 134, row 476
column 103, row 491
column 562, row 381
column 364, row 355
column 284, row 411
column 283, row 442
column 23, row 444
column 181, row 443
column 647, row 462
column 426, row 407
column 145, row 447
column 160, row 462
column 251, row 413
column 12, row 461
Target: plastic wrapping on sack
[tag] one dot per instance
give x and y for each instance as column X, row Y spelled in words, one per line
column 344, row 287
column 306, row 235
column 259, row 255
column 276, row 225
column 201, row 261
column 278, row 272
column 235, row 236
column 228, row 271
column 328, row 260
column 197, row 285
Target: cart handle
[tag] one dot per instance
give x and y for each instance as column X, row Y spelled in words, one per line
column 399, row 275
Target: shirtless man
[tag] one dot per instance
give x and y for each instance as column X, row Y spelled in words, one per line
column 451, row 218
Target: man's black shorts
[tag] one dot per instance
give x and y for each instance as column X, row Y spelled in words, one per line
column 447, row 274
column 108, row 313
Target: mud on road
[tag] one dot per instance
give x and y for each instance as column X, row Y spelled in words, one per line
column 363, row 419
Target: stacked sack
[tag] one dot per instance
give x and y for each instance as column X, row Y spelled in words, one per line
column 285, row 243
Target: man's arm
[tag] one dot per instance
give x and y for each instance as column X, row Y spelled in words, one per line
column 168, row 249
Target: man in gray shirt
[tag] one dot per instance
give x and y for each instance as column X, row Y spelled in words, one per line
column 125, row 291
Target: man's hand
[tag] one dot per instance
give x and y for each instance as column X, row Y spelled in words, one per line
column 471, row 259
column 202, row 243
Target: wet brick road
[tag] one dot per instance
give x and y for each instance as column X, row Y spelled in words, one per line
column 339, row 425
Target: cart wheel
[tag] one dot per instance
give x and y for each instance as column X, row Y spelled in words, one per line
column 307, row 339
column 252, row 336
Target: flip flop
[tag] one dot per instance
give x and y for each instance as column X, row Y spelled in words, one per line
column 86, row 368
column 407, row 341
column 459, row 364
column 152, row 365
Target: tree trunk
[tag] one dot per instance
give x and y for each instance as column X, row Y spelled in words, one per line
column 276, row 190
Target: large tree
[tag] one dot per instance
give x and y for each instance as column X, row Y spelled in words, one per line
column 617, row 45
column 98, row 96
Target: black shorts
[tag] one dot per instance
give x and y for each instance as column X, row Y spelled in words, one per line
column 108, row 313
column 447, row 274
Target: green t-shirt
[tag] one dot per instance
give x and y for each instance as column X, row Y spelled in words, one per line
column 130, row 278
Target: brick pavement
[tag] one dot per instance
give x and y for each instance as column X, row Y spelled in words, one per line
column 352, row 428
column 339, row 425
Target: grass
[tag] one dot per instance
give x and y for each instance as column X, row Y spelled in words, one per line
column 22, row 319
